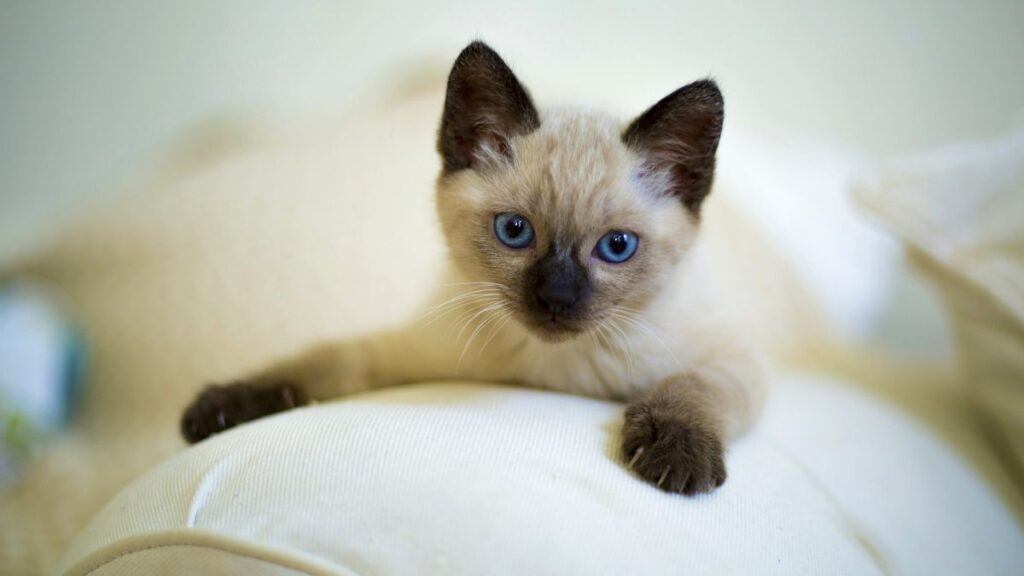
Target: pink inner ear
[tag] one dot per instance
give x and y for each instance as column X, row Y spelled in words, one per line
column 490, row 153
column 656, row 179
column 678, row 136
column 490, row 146
column 672, row 167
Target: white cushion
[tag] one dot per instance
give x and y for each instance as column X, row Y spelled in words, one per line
column 473, row 479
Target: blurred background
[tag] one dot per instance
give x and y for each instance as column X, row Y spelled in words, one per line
column 189, row 189
column 93, row 90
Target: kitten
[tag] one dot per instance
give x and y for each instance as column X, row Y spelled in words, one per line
column 575, row 267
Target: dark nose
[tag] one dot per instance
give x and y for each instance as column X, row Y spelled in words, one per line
column 560, row 284
column 556, row 297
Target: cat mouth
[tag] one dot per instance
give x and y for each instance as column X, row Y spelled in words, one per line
column 555, row 328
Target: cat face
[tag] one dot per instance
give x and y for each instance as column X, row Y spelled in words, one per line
column 574, row 218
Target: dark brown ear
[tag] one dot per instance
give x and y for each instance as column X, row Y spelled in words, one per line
column 679, row 136
column 484, row 107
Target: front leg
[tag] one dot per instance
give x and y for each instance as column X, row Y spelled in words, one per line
column 325, row 372
column 219, row 407
column 674, row 434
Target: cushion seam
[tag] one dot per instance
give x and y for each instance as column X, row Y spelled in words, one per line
column 187, row 538
column 853, row 528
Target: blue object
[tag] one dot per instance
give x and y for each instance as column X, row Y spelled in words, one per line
column 42, row 361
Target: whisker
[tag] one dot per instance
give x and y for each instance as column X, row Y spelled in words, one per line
column 455, row 303
column 458, row 365
column 454, row 299
column 649, row 329
column 498, row 326
column 467, row 310
column 604, row 340
column 475, row 283
column 473, row 315
column 626, row 347
column 488, row 308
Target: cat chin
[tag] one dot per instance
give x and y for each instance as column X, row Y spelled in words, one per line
column 554, row 333
column 553, row 337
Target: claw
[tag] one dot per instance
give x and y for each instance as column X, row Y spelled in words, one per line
column 288, row 397
column 663, row 476
column 222, row 421
column 636, row 456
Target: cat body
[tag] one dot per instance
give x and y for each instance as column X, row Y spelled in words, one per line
column 575, row 265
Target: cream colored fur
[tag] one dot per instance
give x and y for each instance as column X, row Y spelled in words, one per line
column 659, row 320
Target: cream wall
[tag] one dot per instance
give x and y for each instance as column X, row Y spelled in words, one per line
column 92, row 92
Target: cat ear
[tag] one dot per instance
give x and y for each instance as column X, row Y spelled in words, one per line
column 678, row 137
column 484, row 107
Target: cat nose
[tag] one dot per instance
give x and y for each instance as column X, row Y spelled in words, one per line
column 560, row 284
column 556, row 297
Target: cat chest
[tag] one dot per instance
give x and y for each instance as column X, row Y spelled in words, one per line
column 588, row 372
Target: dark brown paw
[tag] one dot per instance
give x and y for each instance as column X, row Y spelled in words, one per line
column 218, row 408
column 674, row 454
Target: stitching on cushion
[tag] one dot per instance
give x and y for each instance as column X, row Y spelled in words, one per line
column 864, row 542
column 253, row 552
column 158, row 546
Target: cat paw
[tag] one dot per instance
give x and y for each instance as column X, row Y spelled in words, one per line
column 218, row 408
column 672, row 453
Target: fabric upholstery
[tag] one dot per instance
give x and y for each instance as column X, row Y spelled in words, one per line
column 474, row 479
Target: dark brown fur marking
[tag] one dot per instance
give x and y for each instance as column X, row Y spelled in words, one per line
column 672, row 439
column 484, row 103
column 680, row 134
column 218, row 408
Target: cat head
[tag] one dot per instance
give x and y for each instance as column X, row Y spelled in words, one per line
column 572, row 216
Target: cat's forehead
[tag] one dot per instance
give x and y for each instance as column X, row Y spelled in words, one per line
column 577, row 148
column 575, row 169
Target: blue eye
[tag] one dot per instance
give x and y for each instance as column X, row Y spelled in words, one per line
column 617, row 246
column 514, row 230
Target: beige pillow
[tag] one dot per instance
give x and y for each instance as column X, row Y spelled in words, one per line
column 960, row 209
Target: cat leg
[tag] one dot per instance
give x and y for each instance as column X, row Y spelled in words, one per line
column 675, row 433
column 321, row 373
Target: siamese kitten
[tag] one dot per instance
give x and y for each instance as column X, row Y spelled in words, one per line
column 574, row 267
